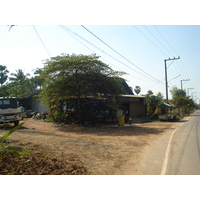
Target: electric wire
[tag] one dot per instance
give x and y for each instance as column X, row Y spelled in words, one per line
column 161, row 44
column 158, row 40
column 184, row 72
column 86, row 46
column 67, row 29
column 182, row 69
column 150, row 40
column 120, row 55
column 41, row 40
column 165, row 40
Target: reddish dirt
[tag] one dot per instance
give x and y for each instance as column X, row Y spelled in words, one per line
column 64, row 149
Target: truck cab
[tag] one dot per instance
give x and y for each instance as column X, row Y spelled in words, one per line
column 10, row 110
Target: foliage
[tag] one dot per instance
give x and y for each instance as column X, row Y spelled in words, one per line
column 177, row 92
column 21, row 85
column 78, row 77
column 153, row 101
column 183, row 103
column 4, row 92
column 37, row 80
column 137, row 89
column 15, row 151
column 3, row 74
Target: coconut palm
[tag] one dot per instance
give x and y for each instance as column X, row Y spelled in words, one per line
column 3, row 74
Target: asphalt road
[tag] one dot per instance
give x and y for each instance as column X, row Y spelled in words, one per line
column 177, row 152
column 184, row 156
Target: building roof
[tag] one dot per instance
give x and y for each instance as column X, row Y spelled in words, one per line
column 165, row 105
column 127, row 88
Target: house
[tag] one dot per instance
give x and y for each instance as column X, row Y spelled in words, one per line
column 132, row 105
column 32, row 103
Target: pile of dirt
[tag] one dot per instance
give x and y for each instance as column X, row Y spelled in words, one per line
column 39, row 164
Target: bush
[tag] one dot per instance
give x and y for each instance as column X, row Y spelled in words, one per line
column 14, row 151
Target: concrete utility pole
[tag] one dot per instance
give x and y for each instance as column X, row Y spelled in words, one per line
column 192, row 95
column 182, row 83
column 166, row 83
column 188, row 90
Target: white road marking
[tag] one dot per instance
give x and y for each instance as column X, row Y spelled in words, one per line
column 165, row 163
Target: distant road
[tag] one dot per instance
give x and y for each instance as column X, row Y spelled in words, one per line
column 177, row 152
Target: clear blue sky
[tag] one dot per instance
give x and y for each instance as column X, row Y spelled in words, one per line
column 142, row 51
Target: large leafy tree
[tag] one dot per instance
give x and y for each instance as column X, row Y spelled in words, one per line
column 77, row 77
column 3, row 74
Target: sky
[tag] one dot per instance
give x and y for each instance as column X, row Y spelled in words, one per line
column 138, row 50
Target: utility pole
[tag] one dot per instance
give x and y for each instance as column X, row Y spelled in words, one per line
column 192, row 95
column 188, row 90
column 166, row 83
column 182, row 84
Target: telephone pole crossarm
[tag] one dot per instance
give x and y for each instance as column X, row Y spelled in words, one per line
column 182, row 81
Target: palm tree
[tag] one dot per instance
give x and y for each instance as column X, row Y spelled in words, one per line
column 3, row 74
column 19, row 76
column 137, row 89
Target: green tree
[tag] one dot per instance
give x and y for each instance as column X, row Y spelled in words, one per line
column 20, row 85
column 37, row 80
column 153, row 101
column 177, row 92
column 19, row 76
column 77, row 77
column 160, row 96
column 3, row 74
column 183, row 103
column 137, row 89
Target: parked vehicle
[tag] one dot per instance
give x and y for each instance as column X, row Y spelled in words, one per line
column 10, row 110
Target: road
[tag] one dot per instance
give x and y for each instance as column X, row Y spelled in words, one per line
column 177, row 152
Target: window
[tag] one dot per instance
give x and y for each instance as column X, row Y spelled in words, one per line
column 9, row 103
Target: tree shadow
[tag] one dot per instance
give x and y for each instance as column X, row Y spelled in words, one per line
column 132, row 130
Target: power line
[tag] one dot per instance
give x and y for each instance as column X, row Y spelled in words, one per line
column 165, row 40
column 41, row 40
column 183, row 71
column 120, row 54
column 150, row 41
column 157, row 40
column 68, row 30
column 64, row 28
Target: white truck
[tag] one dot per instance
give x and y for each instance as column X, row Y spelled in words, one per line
column 10, row 110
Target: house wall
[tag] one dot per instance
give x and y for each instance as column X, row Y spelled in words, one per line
column 37, row 106
column 137, row 109
column 137, row 105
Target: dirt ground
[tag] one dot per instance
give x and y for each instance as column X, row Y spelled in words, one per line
column 63, row 149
